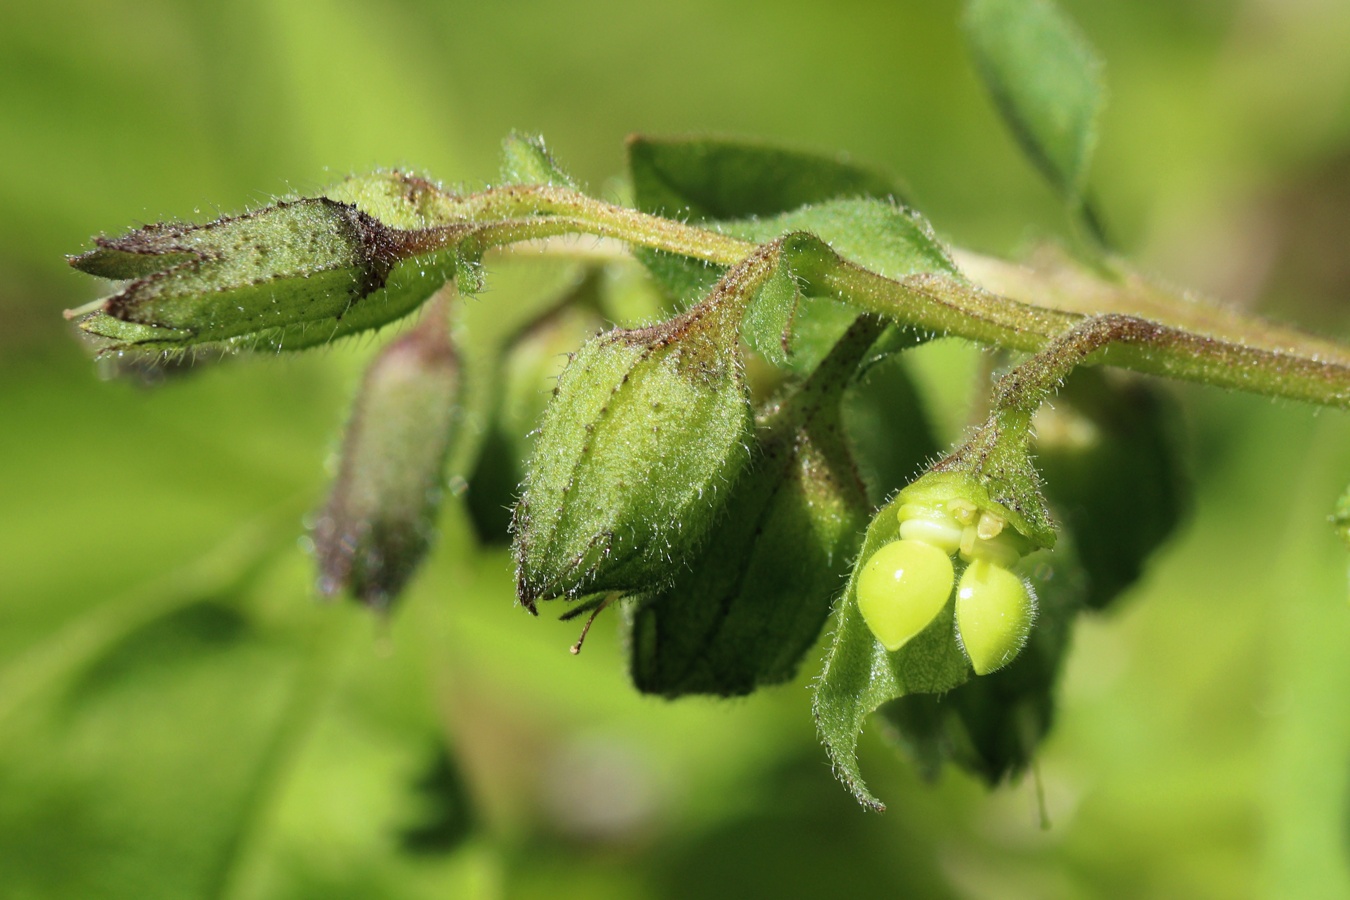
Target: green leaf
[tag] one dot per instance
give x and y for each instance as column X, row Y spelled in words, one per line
column 1340, row 517
column 160, row 740
column 891, row 240
column 767, row 326
column 745, row 610
column 714, row 180
column 703, row 179
column 525, row 160
column 1109, row 452
column 886, row 423
column 1046, row 80
column 524, row 377
column 887, row 239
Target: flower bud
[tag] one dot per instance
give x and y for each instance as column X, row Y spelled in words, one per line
column 289, row 275
column 994, row 612
column 379, row 520
column 645, row 429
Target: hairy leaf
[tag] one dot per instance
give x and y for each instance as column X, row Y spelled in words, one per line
column 702, row 179
column 714, row 180
column 745, row 610
column 525, row 160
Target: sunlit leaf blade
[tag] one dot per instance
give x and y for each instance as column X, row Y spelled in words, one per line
column 876, row 234
column 1046, row 80
column 710, row 178
column 526, row 160
column 767, row 326
column 891, row 240
column 714, row 180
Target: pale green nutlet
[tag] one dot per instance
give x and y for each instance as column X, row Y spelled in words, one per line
column 902, row 588
column 994, row 613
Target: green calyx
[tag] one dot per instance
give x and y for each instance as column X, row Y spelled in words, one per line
column 290, row 275
column 1010, row 512
column 646, row 433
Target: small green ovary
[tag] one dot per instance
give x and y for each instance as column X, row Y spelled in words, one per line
column 994, row 613
column 902, row 588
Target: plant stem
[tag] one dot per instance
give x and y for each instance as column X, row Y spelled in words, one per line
column 1250, row 355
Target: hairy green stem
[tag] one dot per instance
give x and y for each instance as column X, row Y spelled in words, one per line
column 1249, row 356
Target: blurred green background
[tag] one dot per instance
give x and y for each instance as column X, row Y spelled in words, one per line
column 180, row 718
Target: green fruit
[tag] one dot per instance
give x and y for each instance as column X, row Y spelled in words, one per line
column 902, row 588
column 994, row 613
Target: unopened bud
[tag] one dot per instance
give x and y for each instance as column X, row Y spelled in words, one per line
column 289, row 275
column 379, row 520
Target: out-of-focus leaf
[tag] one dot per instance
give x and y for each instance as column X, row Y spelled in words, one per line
column 886, row 424
column 149, row 765
column 1108, row 448
column 523, row 290
column 1046, row 80
column 529, row 370
column 1340, row 518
